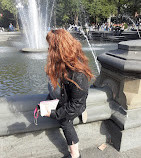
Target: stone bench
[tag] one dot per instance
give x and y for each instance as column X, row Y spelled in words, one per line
column 17, row 112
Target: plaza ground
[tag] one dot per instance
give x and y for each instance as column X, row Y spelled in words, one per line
column 110, row 152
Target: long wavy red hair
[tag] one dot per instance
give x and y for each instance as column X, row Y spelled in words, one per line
column 65, row 52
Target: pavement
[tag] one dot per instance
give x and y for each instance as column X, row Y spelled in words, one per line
column 110, row 152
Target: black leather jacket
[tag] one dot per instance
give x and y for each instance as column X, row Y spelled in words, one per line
column 73, row 100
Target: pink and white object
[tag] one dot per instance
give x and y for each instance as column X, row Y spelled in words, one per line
column 50, row 104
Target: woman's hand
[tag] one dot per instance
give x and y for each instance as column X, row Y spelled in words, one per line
column 48, row 111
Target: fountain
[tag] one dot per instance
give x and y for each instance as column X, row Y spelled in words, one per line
column 121, row 74
column 36, row 21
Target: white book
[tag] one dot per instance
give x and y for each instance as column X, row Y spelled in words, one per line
column 51, row 104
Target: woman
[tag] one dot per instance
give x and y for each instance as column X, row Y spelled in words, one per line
column 67, row 66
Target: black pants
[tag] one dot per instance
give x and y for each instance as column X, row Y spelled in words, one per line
column 69, row 131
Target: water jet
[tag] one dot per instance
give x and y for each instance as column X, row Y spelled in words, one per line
column 36, row 22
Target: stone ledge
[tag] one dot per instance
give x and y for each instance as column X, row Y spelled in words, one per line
column 124, row 140
column 16, row 115
column 125, row 119
column 133, row 45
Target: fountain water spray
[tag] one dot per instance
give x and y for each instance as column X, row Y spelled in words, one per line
column 51, row 12
column 85, row 36
column 93, row 53
column 34, row 15
column 133, row 23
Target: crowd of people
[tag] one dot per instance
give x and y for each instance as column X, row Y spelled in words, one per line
column 117, row 29
column 108, row 26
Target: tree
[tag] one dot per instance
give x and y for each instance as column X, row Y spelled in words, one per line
column 99, row 9
column 127, row 8
column 9, row 5
column 9, row 8
column 133, row 6
column 67, row 11
column 80, row 11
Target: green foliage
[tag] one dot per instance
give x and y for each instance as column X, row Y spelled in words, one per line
column 9, row 5
column 65, row 18
column 128, row 7
column 66, row 11
column 70, row 11
column 133, row 6
column 125, row 26
column 99, row 9
column 95, row 10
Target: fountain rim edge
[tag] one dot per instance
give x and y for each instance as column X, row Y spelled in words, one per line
column 33, row 50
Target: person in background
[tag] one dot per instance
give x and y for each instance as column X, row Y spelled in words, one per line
column 67, row 66
column 11, row 28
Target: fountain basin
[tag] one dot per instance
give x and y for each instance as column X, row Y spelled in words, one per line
column 126, row 58
column 17, row 112
column 33, row 50
column 121, row 73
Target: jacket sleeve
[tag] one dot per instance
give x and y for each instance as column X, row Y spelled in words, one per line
column 76, row 100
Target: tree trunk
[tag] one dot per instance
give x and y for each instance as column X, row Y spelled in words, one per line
column 95, row 20
column 76, row 20
column 17, row 22
column 109, row 20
